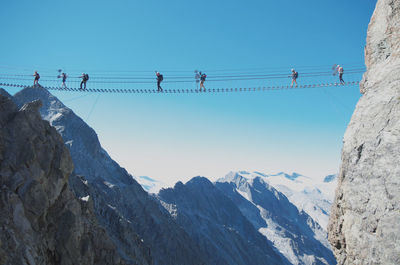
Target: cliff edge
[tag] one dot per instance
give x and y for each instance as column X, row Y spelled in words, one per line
column 364, row 226
column 41, row 221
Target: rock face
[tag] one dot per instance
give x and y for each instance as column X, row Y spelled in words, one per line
column 364, row 225
column 41, row 221
column 218, row 226
column 243, row 220
column 135, row 221
column 234, row 221
column 294, row 233
column 313, row 196
column 5, row 93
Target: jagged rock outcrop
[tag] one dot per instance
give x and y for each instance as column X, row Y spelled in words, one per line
column 218, row 226
column 132, row 218
column 364, row 224
column 5, row 93
column 41, row 221
column 294, row 233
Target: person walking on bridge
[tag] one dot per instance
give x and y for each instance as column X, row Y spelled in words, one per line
column 37, row 77
column 160, row 78
column 340, row 71
column 294, row 76
column 85, row 78
column 202, row 80
column 64, row 79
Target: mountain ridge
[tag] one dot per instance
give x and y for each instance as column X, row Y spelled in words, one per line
column 42, row 222
column 217, row 224
column 121, row 204
column 278, row 219
column 124, row 208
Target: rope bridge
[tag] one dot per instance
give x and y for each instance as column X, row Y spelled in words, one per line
column 188, row 91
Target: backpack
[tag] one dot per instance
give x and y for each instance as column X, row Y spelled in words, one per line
column 296, row 74
column 37, row 76
column 86, row 77
column 203, row 77
column 160, row 77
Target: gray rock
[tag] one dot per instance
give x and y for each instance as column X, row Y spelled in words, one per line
column 5, row 93
column 41, row 222
column 218, row 226
column 294, row 233
column 364, row 224
column 135, row 221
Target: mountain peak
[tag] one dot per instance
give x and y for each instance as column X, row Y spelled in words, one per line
column 5, row 93
column 199, row 182
column 236, row 177
column 51, row 104
column 39, row 92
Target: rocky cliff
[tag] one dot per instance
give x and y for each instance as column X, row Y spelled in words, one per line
column 243, row 220
column 135, row 221
column 41, row 221
column 364, row 225
column 294, row 233
column 218, row 226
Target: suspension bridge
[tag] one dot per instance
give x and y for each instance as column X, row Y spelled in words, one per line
column 187, row 91
column 184, row 82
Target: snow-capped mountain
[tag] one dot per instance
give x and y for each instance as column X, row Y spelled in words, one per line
column 217, row 224
column 315, row 197
column 133, row 219
column 242, row 219
column 297, row 236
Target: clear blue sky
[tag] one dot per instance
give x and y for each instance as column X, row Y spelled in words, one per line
column 176, row 137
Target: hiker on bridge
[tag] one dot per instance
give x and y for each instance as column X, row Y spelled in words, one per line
column 340, row 71
column 85, row 78
column 64, row 79
column 160, row 78
column 202, row 80
column 37, row 77
column 294, row 76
